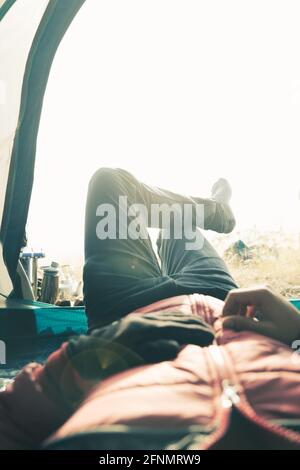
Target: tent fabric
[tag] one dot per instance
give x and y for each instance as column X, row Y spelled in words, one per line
column 30, row 33
column 5, row 5
column 19, row 22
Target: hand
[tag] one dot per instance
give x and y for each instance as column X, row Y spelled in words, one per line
column 262, row 311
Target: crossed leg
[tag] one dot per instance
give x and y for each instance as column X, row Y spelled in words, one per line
column 200, row 271
column 123, row 274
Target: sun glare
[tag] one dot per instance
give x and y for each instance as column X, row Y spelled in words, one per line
column 179, row 94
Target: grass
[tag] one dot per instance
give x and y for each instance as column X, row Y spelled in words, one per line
column 274, row 261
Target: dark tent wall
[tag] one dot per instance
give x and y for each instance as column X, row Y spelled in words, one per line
column 19, row 156
column 5, row 6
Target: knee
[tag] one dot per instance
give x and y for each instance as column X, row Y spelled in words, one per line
column 111, row 178
column 105, row 178
column 103, row 174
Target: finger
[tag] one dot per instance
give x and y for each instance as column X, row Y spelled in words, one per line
column 243, row 310
column 234, row 306
column 243, row 297
column 243, row 323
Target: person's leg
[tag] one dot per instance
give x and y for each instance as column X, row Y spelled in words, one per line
column 218, row 215
column 197, row 267
column 120, row 275
column 194, row 271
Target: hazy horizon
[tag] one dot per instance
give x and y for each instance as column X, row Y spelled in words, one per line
column 186, row 94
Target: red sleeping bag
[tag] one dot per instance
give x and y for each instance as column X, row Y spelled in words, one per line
column 238, row 386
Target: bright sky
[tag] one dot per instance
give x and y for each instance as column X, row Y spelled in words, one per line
column 180, row 93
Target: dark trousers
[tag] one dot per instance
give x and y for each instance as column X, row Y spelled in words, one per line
column 121, row 275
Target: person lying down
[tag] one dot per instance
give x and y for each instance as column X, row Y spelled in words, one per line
column 177, row 357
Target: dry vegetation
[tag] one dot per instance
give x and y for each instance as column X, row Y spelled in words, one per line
column 274, row 260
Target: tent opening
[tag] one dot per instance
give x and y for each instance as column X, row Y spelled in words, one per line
column 165, row 98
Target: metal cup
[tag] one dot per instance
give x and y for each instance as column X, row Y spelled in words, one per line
column 50, row 285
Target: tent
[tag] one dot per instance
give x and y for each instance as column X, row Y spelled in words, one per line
column 30, row 33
